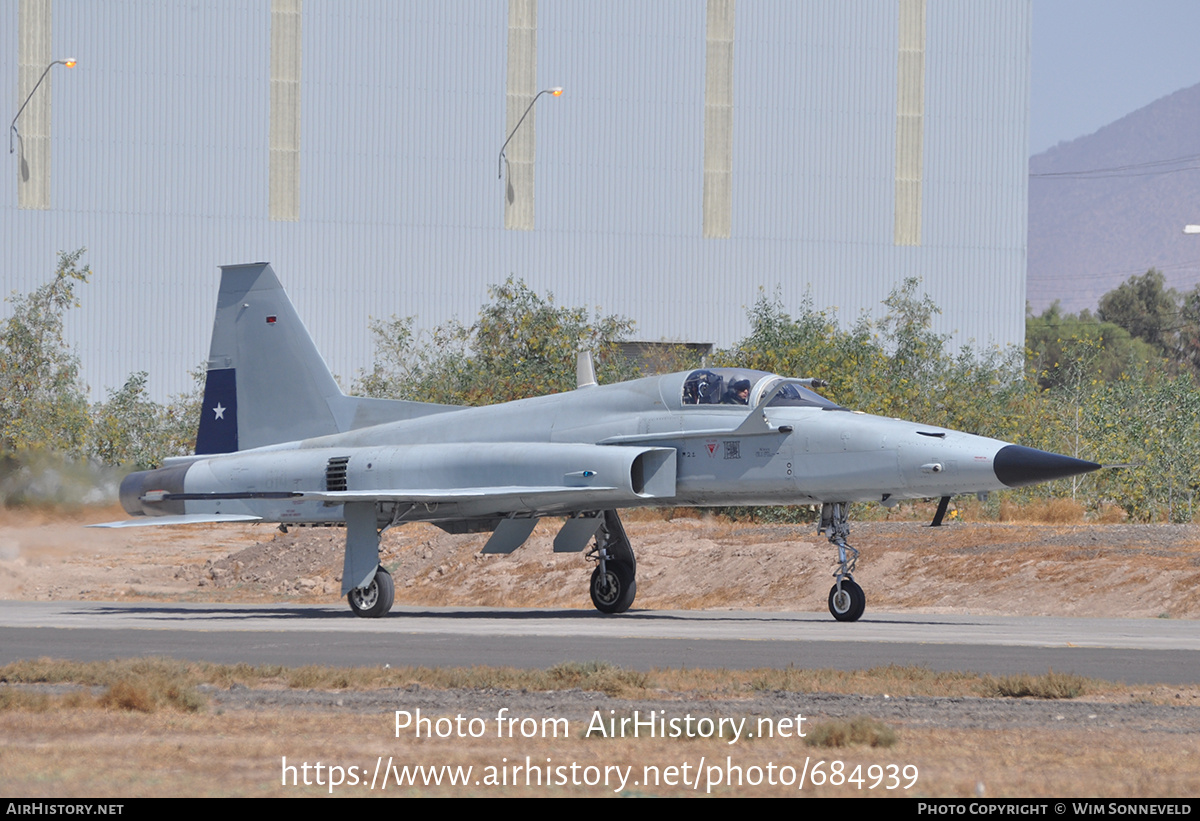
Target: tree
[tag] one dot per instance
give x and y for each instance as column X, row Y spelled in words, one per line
column 1061, row 349
column 521, row 345
column 1189, row 330
column 42, row 403
column 1146, row 308
column 808, row 344
column 132, row 430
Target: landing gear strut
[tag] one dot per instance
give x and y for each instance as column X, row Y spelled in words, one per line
column 846, row 599
column 365, row 583
column 614, row 581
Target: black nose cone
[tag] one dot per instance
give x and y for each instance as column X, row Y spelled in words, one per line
column 1017, row 466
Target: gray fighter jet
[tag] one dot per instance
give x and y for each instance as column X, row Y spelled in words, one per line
column 279, row 442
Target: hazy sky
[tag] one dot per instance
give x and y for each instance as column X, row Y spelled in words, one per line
column 1094, row 61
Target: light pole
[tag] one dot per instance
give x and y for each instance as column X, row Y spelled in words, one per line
column 554, row 92
column 12, row 128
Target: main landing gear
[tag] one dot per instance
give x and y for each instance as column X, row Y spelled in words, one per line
column 614, row 581
column 846, row 599
column 375, row 592
column 376, row 598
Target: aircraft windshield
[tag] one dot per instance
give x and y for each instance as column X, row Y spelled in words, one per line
column 734, row 386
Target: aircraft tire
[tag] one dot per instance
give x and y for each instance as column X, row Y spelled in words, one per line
column 614, row 591
column 850, row 605
column 376, row 598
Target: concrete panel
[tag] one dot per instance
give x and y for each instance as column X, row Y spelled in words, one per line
column 33, row 128
column 718, row 120
column 910, row 121
column 285, row 110
column 521, row 89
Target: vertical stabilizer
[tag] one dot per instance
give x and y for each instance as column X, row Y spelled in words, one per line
column 266, row 381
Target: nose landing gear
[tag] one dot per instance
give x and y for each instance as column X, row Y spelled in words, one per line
column 614, row 581
column 846, row 599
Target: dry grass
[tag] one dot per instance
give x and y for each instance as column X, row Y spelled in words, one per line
column 141, row 685
column 103, row 673
column 101, row 753
column 1054, row 511
column 113, row 745
column 860, row 731
column 1050, row 686
column 1108, row 514
column 149, row 684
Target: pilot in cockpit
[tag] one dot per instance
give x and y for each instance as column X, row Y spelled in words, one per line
column 738, row 393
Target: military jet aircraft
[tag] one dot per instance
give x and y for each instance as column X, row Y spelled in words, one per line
column 279, row 442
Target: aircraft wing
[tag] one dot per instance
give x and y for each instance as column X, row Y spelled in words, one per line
column 500, row 496
column 551, row 497
column 512, row 496
column 186, row 519
column 490, row 499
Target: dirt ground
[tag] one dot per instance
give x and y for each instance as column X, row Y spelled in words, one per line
column 1137, row 571
column 1140, row 743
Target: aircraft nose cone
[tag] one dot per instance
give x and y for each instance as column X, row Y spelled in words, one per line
column 1017, row 466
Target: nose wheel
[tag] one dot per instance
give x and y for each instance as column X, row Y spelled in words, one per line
column 847, row 601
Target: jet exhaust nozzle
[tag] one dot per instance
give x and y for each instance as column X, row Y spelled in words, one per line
column 1017, row 466
column 136, row 486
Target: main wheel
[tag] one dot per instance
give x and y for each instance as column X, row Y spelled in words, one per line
column 847, row 605
column 613, row 590
column 376, row 598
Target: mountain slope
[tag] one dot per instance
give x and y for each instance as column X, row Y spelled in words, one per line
column 1090, row 232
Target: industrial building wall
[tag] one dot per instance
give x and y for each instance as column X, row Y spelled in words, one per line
column 702, row 150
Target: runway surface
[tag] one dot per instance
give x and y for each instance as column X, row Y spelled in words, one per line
column 1129, row 650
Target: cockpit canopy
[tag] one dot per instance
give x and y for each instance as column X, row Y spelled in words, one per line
column 739, row 386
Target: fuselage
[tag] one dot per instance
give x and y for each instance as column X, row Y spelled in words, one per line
column 652, row 441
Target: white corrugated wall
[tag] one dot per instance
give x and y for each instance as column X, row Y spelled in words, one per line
column 161, row 146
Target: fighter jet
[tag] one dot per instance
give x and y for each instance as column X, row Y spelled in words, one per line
column 279, row 442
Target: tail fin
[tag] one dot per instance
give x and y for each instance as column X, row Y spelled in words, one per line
column 266, row 381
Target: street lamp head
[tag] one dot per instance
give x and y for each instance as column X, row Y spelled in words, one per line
column 12, row 127
column 555, row 91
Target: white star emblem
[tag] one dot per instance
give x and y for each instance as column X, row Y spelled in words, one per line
column 219, row 411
